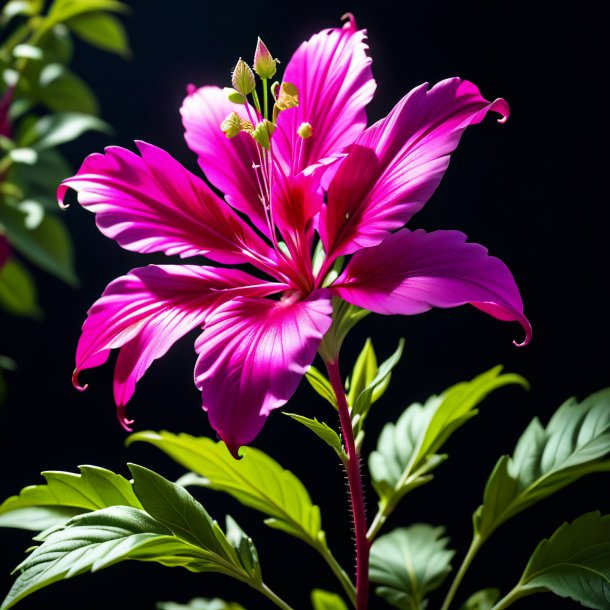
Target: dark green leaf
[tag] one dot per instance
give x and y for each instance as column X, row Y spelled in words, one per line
column 256, row 480
column 246, row 550
column 17, row 290
column 321, row 385
column 322, row 430
column 199, row 603
column 325, row 600
column 65, row 495
column 63, row 91
column 481, row 600
column 101, row 30
column 44, row 177
column 408, row 563
column 545, row 460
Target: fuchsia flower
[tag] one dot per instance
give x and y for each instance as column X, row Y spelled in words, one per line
column 323, row 176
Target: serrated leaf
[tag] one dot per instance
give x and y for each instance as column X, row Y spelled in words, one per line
column 55, row 129
column 409, row 563
column 574, row 562
column 406, row 451
column 200, row 603
column 545, row 460
column 101, row 30
column 61, row 90
column 323, row 431
column 481, row 600
column 325, row 600
column 47, row 244
column 321, row 385
column 99, row 539
column 18, row 291
column 256, row 480
column 65, row 494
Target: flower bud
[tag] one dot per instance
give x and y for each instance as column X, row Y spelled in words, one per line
column 243, row 78
column 263, row 132
column 264, row 64
column 305, row 130
column 231, row 126
column 234, row 96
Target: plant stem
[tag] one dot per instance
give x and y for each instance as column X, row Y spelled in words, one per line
column 355, row 487
column 269, row 594
column 475, row 545
column 340, row 573
column 511, row 598
column 265, row 99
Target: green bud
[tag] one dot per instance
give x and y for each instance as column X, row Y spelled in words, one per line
column 262, row 133
column 243, row 78
column 305, row 130
column 234, row 96
column 231, row 126
column 264, row 64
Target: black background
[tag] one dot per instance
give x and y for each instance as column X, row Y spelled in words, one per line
column 533, row 191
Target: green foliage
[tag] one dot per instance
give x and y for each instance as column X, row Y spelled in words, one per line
column 481, row 600
column 574, row 563
column 409, row 563
column 61, row 90
column 18, row 291
column 324, row 600
column 545, row 460
column 199, row 603
column 65, row 495
column 407, row 451
column 323, row 431
column 256, row 480
column 101, row 30
column 321, row 385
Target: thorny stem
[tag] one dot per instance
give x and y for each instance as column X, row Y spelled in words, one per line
column 355, row 487
column 475, row 545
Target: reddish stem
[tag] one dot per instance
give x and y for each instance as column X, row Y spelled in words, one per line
column 355, row 488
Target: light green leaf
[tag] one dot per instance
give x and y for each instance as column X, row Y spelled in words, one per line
column 63, row 10
column 101, row 30
column 481, row 600
column 246, row 550
column 28, row 8
column 321, row 385
column 47, row 244
column 407, row 451
column 29, row 156
column 363, row 373
column 65, row 494
column 408, row 563
column 256, row 480
column 545, row 460
column 322, row 430
column 63, row 91
column 574, row 563
column 55, row 129
column 200, row 603
column 99, row 539
column 18, row 291
column 325, row 600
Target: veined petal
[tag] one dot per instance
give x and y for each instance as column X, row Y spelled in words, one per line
column 151, row 203
column 333, row 75
column 227, row 163
column 252, row 355
column 396, row 164
column 411, row 272
column 145, row 312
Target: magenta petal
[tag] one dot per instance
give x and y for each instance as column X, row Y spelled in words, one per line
column 333, row 75
column 411, row 272
column 227, row 163
column 5, row 250
column 252, row 356
column 151, row 203
column 396, row 164
column 145, row 312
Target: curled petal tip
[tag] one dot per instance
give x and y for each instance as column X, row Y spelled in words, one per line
column 501, row 106
column 234, row 449
column 350, row 21
column 76, row 383
column 62, row 189
column 123, row 419
column 528, row 336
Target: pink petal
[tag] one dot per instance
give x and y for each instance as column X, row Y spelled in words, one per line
column 395, row 165
column 333, row 75
column 152, row 203
column 5, row 250
column 252, row 355
column 145, row 312
column 227, row 163
column 411, row 272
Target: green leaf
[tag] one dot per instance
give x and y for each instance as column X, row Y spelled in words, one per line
column 408, row 563
column 99, row 539
column 407, row 451
column 65, row 494
column 44, row 177
column 324, row 600
column 322, row 430
column 28, row 8
column 63, row 91
column 321, row 385
column 545, row 460
column 55, row 129
column 18, row 291
column 45, row 243
column 481, row 600
column 101, row 30
column 63, row 10
column 363, row 373
column 574, row 563
column 200, row 603
column 256, row 480
column 246, row 550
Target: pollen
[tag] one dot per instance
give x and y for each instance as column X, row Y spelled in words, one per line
column 305, row 130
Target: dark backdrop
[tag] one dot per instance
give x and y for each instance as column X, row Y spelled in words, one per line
column 533, row 191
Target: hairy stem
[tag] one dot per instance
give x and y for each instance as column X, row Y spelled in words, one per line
column 475, row 545
column 355, row 487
